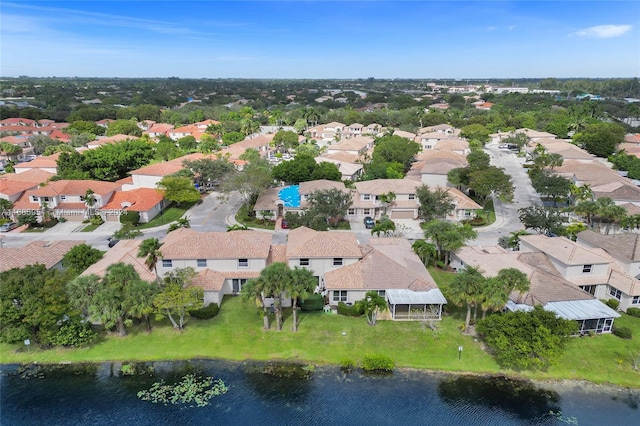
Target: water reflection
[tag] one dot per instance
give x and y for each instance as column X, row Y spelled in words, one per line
column 288, row 383
column 522, row 398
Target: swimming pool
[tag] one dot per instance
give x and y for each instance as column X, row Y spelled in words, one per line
column 290, row 195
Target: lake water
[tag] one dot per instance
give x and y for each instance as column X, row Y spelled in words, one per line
column 99, row 395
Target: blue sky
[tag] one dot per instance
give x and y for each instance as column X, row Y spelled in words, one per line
column 314, row 39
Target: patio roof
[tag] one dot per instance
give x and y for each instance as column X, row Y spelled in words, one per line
column 410, row 297
column 581, row 309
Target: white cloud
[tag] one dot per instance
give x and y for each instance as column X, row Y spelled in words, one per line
column 603, row 31
column 492, row 28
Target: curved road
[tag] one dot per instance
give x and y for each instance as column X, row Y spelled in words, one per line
column 523, row 196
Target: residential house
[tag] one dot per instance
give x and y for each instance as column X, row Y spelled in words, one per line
column 11, row 190
column 432, row 167
column 358, row 145
column 390, row 267
column 548, row 286
column 66, row 198
column 47, row 253
column 147, row 202
column 126, row 251
column 273, row 202
column 624, row 284
column 149, row 176
column 109, row 140
column 349, row 169
column 159, row 129
column 224, row 261
column 368, row 200
column 321, row 252
column 19, row 141
column 47, row 163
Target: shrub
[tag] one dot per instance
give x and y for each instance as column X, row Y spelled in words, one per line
column 622, row 332
column 75, row 333
column 347, row 365
column 130, row 217
column 27, row 219
column 377, row 363
column 96, row 220
column 50, row 223
column 634, row 312
column 349, row 311
column 62, row 220
column 208, row 312
column 315, row 302
column 613, row 303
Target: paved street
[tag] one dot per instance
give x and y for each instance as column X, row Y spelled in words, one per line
column 507, row 214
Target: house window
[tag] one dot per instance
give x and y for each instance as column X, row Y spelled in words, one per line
column 366, row 211
column 366, row 197
column 304, row 262
column 46, row 199
column 166, row 263
column 381, row 293
column 340, row 295
column 243, row 263
column 412, row 196
column 591, row 289
column 615, row 292
column 337, row 261
column 586, row 269
column 351, row 211
column 34, row 199
column 202, row 263
column 635, row 300
column 63, row 197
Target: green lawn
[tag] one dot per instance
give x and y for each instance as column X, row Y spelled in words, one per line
column 237, row 334
column 168, row 215
column 90, row 228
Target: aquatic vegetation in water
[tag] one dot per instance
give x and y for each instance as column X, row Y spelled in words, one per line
column 191, row 389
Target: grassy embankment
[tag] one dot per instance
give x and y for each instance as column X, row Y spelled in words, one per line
column 236, row 334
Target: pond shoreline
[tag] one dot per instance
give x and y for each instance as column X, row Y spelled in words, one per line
column 560, row 383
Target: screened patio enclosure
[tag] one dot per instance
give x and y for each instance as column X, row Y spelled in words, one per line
column 412, row 305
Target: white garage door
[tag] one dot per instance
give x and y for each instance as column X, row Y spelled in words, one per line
column 402, row 214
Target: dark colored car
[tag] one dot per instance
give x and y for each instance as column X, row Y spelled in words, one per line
column 369, row 223
column 112, row 241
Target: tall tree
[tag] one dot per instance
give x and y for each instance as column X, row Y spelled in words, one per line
column 301, row 285
column 600, row 139
column 150, row 250
column 330, row 205
column 179, row 189
column 107, row 300
column 541, row 219
column 466, row 289
column 448, row 237
column 80, row 257
column 492, row 181
column 434, row 204
column 177, row 297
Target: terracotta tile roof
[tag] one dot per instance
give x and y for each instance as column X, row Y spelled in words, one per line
column 565, row 250
column 321, row 185
column 165, row 168
column 75, row 187
column 70, row 206
column 47, row 253
column 278, row 253
column 13, row 121
column 384, row 186
column 353, row 144
column 188, row 244
column 341, row 156
column 160, row 128
column 208, row 280
column 48, row 162
column 617, row 190
column 111, row 139
column 594, row 173
column 462, row 200
column 632, row 138
column 387, row 265
column 304, row 242
column 623, row 246
column 10, row 187
column 126, row 251
column 137, row 200
column 14, row 140
column 35, row 175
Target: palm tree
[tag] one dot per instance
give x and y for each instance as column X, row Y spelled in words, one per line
column 371, row 305
column 425, row 251
column 277, row 277
column 587, row 210
column 140, row 301
column 253, row 290
column 90, row 201
column 150, row 249
column 301, row 285
column 466, row 288
column 494, row 295
column 609, row 212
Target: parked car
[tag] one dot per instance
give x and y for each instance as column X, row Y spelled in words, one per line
column 369, row 223
column 284, row 224
column 9, row 226
column 112, row 241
